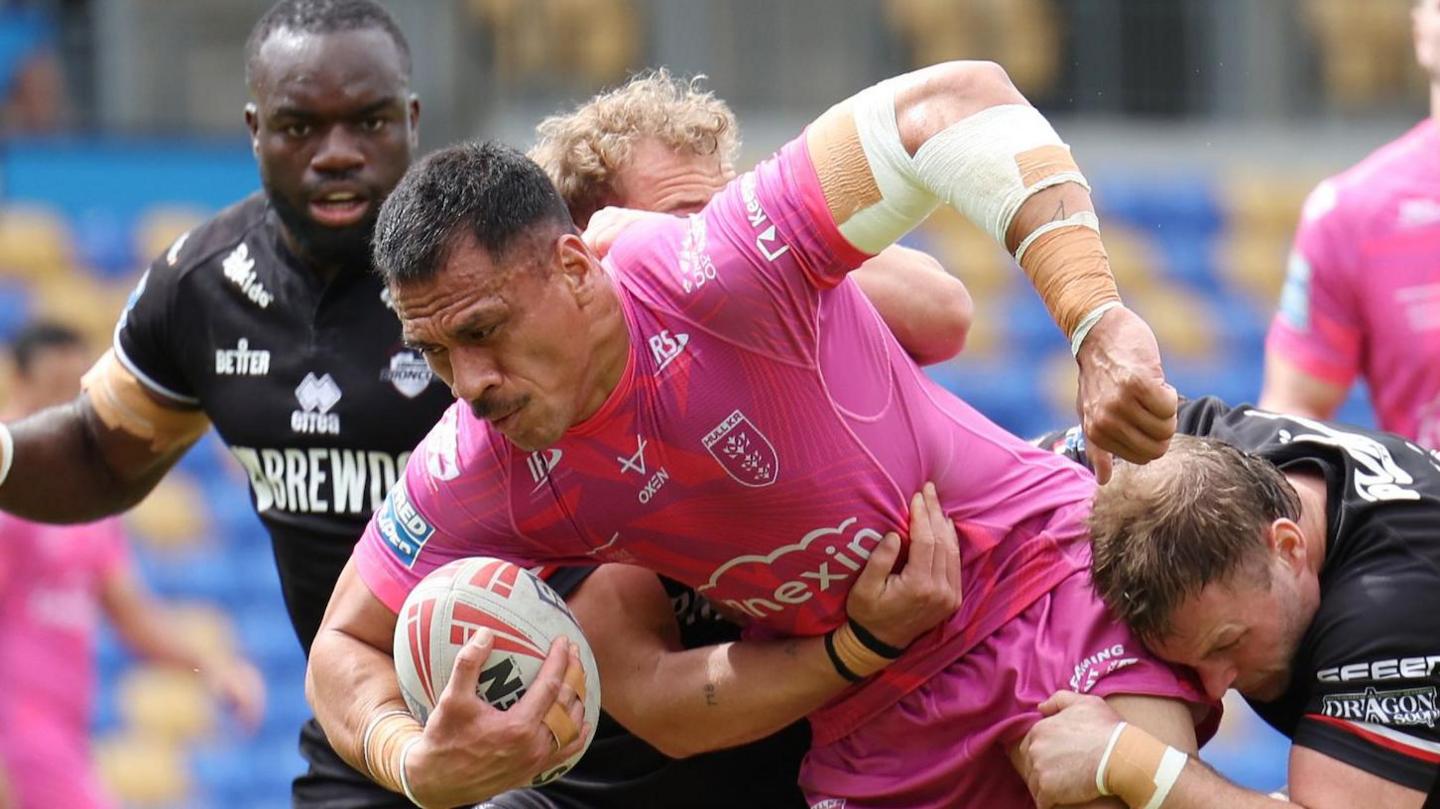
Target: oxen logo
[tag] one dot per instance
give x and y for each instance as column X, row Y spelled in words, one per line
column 743, row 451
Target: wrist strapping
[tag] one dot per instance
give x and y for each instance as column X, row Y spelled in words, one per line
column 1068, row 266
column 7, row 452
column 404, row 773
column 853, row 657
column 1138, row 768
column 388, row 737
column 1086, row 324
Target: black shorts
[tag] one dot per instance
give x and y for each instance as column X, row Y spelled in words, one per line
column 330, row 783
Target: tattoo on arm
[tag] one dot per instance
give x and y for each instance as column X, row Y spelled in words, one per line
column 710, row 695
column 1059, row 212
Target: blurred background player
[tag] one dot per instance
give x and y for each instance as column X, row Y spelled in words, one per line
column 1362, row 296
column 56, row 583
column 664, row 144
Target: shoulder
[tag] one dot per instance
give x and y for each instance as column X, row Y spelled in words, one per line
column 211, row 241
column 1368, row 196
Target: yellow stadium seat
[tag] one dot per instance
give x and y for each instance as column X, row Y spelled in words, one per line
column 34, row 242
column 160, row 226
column 81, row 301
column 969, row 254
column 1060, row 378
column 173, row 516
column 142, row 770
column 166, row 704
column 205, row 627
column 1254, row 264
column 1023, row 35
column 1183, row 327
column 1264, row 201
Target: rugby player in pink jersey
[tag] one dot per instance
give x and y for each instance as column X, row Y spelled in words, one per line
column 717, row 402
column 56, row 582
column 1362, row 295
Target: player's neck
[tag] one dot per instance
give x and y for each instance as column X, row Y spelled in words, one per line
column 1314, row 495
column 610, row 335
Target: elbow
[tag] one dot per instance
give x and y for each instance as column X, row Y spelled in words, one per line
column 950, row 315
column 939, row 96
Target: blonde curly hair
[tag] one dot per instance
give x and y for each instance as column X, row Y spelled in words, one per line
column 582, row 151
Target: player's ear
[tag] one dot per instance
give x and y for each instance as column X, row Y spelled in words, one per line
column 1287, row 543
column 575, row 262
column 252, row 123
column 413, row 108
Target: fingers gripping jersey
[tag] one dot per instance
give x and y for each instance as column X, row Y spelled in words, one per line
column 766, row 433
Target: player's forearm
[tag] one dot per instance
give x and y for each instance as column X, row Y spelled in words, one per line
column 1200, row 787
column 928, row 310
column 347, row 683
column 721, row 696
column 59, row 472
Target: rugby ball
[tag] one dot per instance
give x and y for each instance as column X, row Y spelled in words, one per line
column 452, row 603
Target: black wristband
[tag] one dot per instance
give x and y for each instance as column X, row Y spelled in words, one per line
column 873, row 643
column 835, row 660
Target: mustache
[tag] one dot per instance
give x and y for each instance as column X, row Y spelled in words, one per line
column 489, row 408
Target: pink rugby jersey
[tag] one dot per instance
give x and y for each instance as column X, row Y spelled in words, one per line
column 767, row 431
column 1363, row 290
column 51, row 581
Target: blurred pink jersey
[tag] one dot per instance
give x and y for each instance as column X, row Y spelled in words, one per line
column 1363, row 291
column 767, row 431
column 51, row 580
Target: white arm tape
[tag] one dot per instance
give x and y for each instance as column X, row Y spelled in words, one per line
column 404, row 767
column 971, row 165
column 1086, row 324
column 1166, row 775
column 1105, row 759
column 7, row 450
column 904, row 202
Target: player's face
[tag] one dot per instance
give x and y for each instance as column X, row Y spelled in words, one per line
column 657, row 178
column 333, row 125
column 518, row 342
column 1426, row 19
column 1243, row 632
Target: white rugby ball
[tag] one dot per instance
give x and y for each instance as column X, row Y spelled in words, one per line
column 526, row 615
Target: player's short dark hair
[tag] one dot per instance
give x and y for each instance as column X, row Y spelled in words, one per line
column 484, row 188
column 40, row 336
column 1198, row 515
column 323, row 17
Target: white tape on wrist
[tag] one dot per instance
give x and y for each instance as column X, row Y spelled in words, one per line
column 1084, row 219
column 1086, row 324
column 7, row 449
column 1105, row 759
column 404, row 771
column 1171, row 764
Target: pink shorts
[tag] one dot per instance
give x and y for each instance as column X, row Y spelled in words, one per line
column 946, row 744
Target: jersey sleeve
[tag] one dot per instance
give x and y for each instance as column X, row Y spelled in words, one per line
column 148, row 333
column 1317, row 327
column 438, row 511
column 1375, row 700
column 751, row 265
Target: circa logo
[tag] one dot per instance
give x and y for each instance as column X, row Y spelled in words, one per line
column 316, row 396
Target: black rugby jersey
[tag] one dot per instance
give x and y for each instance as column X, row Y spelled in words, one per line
column 1365, row 685
column 620, row 771
column 307, row 382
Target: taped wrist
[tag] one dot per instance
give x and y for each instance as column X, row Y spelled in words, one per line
column 387, row 739
column 1138, row 768
column 856, row 653
column 1068, row 266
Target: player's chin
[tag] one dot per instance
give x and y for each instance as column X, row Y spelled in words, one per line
column 1268, row 687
